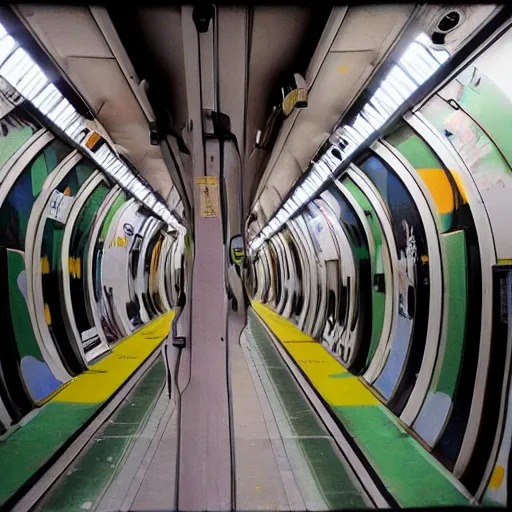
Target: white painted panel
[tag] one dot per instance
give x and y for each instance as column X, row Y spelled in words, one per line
column 367, row 27
column 67, row 31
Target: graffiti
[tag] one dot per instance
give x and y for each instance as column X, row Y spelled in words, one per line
column 407, row 272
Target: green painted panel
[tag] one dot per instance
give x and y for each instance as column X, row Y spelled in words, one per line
column 25, row 338
column 37, row 441
column 414, row 149
column 455, row 277
column 39, row 171
column 485, row 162
column 121, row 199
column 487, row 103
column 431, row 171
column 15, row 129
column 412, row 476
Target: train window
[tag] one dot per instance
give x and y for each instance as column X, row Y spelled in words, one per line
column 399, row 375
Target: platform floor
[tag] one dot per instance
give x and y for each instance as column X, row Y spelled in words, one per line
column 284, row 457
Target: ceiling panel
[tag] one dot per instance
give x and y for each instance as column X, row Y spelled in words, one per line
column 366, row 35
column 74, row 40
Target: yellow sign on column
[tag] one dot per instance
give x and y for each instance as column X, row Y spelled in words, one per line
column 208, row 191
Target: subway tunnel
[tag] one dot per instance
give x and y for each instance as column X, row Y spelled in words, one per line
column 255, row 257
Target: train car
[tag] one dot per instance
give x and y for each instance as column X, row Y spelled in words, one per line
column 422, row 249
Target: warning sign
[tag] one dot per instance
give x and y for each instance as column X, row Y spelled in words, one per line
column 208, row 191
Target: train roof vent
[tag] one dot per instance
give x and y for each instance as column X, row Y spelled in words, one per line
column 449, row 26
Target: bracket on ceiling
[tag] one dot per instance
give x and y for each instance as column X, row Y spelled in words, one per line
column 294, row 95
column 202, row 15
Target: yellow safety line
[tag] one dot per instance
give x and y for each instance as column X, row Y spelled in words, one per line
column 103, row 378
column 335, row 384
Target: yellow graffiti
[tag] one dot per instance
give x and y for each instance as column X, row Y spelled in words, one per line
column 47, row 315
column 118, row 242
column 497, row 477
column 45, row 265
column 75, row 267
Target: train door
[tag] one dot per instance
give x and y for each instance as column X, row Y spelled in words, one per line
column 381, row 270
column 352, row 246
column 76, row 238
column 108, row 332
column 49, row 223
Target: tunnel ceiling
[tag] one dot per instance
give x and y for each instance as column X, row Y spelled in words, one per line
column 153, row 39
column 71, row 35
column 336, row 49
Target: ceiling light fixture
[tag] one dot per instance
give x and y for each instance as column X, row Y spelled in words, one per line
column 416, row 65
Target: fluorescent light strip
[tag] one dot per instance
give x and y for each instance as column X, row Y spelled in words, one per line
column 25, row 76
column 417, row 64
